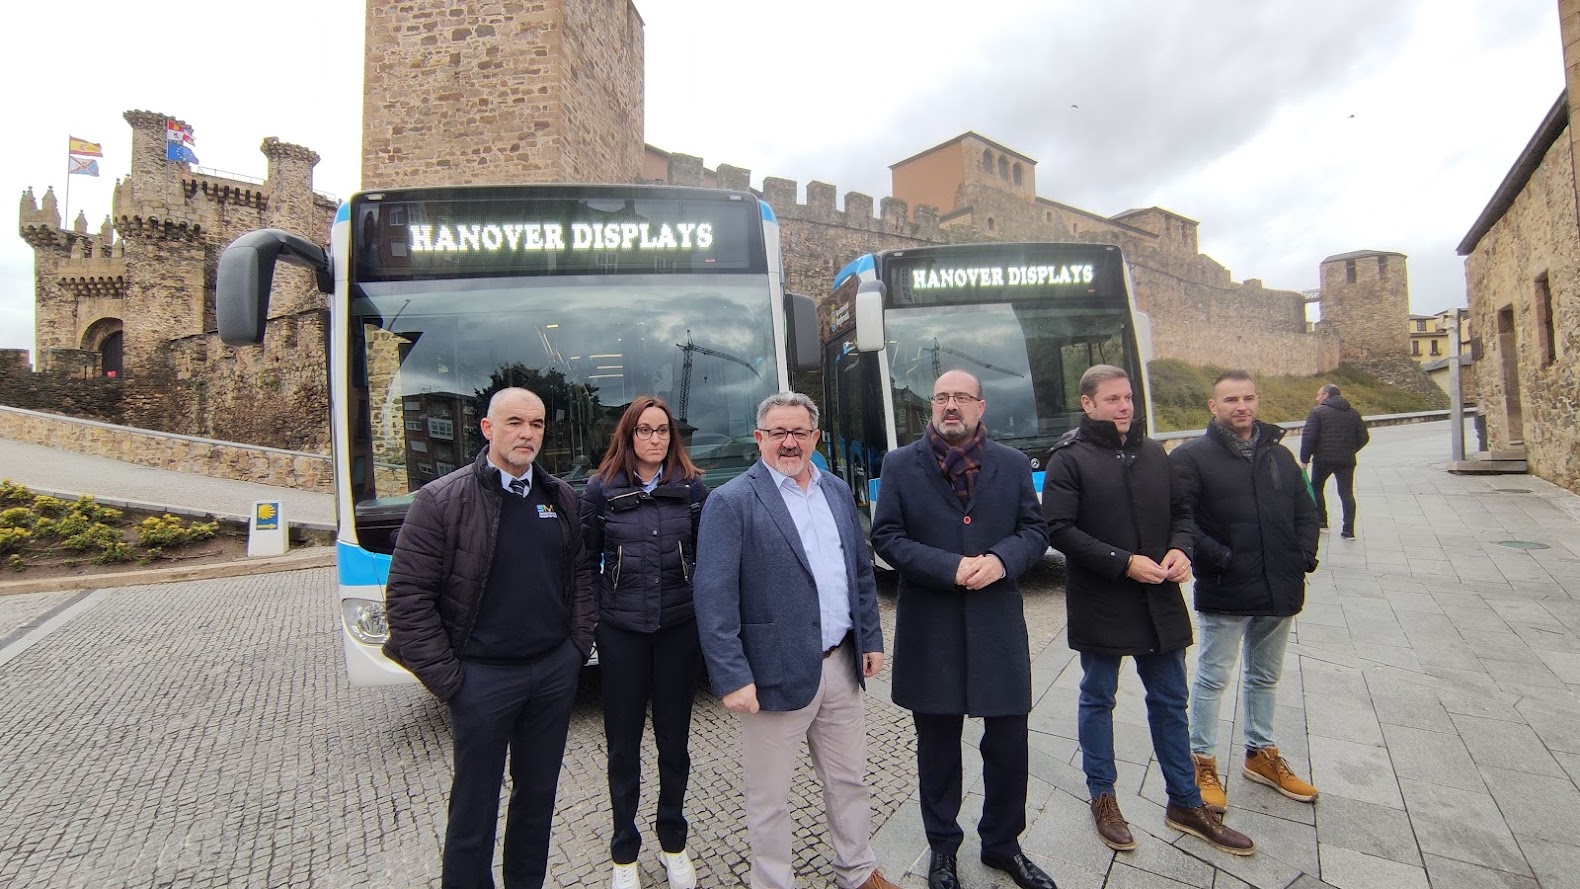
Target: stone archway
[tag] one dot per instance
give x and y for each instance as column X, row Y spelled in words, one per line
column 105, row 337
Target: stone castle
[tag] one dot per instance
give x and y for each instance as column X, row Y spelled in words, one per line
column 564, row 103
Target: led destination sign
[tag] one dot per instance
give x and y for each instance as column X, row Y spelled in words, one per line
column 491, row 237
column 512, row 231
column 1001, row 276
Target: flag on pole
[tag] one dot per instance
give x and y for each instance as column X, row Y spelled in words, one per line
column 178, row 143
column 83, row 147
column 81, row 166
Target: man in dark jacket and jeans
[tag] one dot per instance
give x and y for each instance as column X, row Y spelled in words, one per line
column 1333, row 433
column 1256, row 539
column 1124, row 525
column 491, row 605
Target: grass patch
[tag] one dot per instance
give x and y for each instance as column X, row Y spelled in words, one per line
column 1180, row 391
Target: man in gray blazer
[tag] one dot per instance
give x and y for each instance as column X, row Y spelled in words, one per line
column 958, row 518
column 787, row 610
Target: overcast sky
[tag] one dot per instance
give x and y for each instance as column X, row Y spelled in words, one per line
column 1293, row 133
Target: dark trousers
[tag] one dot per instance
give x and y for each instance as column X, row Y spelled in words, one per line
column 1005, row 763
column 662, row 667
column 1345, row 473
column 525, row 710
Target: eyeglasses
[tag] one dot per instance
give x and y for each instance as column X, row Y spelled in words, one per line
column 962, row 398
column 647, row 432
column 780, row 434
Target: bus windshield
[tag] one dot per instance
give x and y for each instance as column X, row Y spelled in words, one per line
column 1028, row 355
column 426, row 356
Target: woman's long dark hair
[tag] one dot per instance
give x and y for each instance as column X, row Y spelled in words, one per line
column 622, row 456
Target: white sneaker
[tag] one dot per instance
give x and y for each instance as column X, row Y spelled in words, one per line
column 625, row 876
column 677, row 865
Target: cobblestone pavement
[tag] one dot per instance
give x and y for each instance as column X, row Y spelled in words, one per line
column 202, row 734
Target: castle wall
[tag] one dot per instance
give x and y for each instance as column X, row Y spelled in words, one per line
column 1537, row 240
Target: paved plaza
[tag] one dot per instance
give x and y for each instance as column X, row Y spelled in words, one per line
column 202, row 734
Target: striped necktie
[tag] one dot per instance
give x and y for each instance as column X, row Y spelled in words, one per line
column 518, row 487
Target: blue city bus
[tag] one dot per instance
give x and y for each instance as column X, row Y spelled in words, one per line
column 1025, row 319
column 589, row 295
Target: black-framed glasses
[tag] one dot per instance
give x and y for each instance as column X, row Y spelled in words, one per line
column 962, row 398
column 647, row 432
column 780, row 434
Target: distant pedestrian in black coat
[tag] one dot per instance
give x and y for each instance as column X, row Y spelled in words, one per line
column 1333, row 434
column 957, row 517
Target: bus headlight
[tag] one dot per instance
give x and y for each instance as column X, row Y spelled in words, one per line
column 365, row 621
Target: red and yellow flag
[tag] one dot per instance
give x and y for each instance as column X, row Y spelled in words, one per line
column 84, row 148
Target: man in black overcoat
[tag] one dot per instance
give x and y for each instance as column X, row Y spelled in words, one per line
column 957, row 517
column 1121, row 518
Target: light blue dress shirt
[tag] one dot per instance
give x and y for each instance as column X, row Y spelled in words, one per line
column 814, row 521
column 506, row 478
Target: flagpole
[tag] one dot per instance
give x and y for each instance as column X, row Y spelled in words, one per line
column 65, row 219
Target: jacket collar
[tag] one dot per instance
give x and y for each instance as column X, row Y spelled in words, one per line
column 1105, row 434
column 1270, row 434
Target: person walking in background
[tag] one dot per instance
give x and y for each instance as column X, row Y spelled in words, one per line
column 1333, row 434
column 1256, row 540
column 787, row 608
column 491, row 606
column 958, row 518
column 1116, row 511
column 639, row 518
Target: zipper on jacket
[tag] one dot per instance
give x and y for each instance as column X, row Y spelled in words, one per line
column 619, row 559
column 685, row 570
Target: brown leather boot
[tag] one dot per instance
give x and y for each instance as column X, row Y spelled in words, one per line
column 1111, row 826
column 877, row 881
column 1205, row 823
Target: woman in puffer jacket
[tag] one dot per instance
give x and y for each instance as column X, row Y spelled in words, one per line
column 640, row 512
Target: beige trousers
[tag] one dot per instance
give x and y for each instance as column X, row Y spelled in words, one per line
column 835, row 729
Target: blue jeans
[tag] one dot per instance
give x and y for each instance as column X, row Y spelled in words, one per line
column 1222, row 635
column 1163, row 676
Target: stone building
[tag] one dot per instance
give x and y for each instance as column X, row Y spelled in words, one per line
column 136, row 298
column 1522, row 258
column 469, row 92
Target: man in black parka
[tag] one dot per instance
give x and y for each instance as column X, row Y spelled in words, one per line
column 1256, row 539
column 491, row 606
column 1333, row 434
column 1116, row 511
column 957, row 517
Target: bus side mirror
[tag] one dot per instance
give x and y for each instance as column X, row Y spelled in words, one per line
column 869, row 316
column 801, row 321
column 246, row 274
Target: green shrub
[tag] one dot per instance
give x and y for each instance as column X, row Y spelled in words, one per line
column 13, row 494
column 167, row 530
column 13, row 539
column 95, row 536
column 17, row 517
column 115, row 552
column 89, row 508
column 16, row 563
column 46, row 505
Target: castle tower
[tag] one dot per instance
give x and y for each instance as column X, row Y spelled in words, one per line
column 291, row 208
column 469, row 92
column 1366, row 299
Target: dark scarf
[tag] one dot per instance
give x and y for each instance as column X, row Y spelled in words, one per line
column 960, row 464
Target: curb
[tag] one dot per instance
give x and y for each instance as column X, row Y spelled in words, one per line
column 308, row 557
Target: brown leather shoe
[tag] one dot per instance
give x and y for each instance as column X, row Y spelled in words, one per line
column 1111, row 826
column 877, row 881
column 1205, row 823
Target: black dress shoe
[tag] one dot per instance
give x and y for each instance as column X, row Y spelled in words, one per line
column 1021, row 869
column 941, row 872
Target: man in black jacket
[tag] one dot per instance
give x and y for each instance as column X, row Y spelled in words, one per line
column 957, row 517
column 1333, row 433
column 1256, row 539
column 1116, row 511
column 491, row 605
